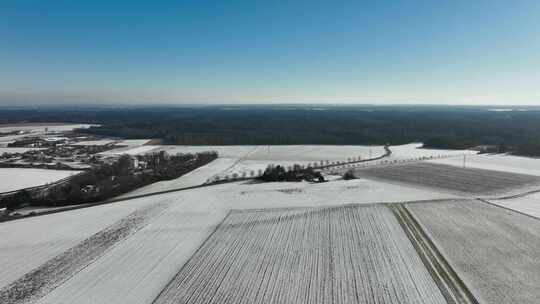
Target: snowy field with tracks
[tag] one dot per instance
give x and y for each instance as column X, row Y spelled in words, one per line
column 452, row 178
column 349, row 254
column 343, row 241
column 495, row 251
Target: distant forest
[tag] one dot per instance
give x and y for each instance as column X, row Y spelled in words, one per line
column 436, row 126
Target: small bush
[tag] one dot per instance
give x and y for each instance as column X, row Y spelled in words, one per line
column 349, row 175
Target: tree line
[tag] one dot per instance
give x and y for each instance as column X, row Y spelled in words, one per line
column 438, row 127
column 109, row 180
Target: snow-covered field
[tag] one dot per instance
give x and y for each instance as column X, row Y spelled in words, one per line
column 6, row 140
column 415, row 150
column 499, row 162
column 196, row 177
column 133, row 142
column 129, row 143
column 101, row 142
column 132, row 150
column 452, row 178
column 528, row 204
column 40, row 128
column 138, row 268
column 16, row 150
column 48, row 276
column 252, row 159
column 346, row 254
column 19, row 178
column 300, row 153
column 246, row 160
column 27, row 243
column 34, row 129
column 494, row 251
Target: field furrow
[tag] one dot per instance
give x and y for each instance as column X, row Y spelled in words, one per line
column 40, row 281
column 453, row 289
column 347, row 254
column 495, row 251
column 464, row 180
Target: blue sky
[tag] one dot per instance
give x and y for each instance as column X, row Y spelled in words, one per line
column 383, row 52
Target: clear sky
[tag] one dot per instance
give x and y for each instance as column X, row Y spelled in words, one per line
column 383, row 52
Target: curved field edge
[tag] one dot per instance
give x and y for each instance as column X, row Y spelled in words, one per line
column 341, row 254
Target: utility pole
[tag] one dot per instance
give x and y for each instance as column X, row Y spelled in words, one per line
column 464, row 155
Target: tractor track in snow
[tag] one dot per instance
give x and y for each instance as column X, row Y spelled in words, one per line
column 45, row 278
column 451, row 286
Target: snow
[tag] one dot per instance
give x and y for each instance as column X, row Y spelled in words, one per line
column 101, row 142
column 16, row 150
column 501, row 110
column 303, row 194
column 294, row 153
column 27, row 243
column 313, row 255
column 498, row 162
column 242, row 160
column 42, row 280
column 246, row 160
column 132, row 150
column 133, row 142
column 299, row 153
column 19, row 178
column 38, row 209
column 494, row 251
column 5, row 140
column 452, row 178
column 196, row 177
column 130, row 143
column 40, row 128
column 528, row 204
column 415, row 150
column 137, row 269
column 34, row 130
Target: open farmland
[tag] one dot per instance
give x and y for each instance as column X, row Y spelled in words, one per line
column 40, row 281
column 16, row 150
column 28, row 243
column 245, row 160
column 464, row 180
column 19, row 178
column 193, row 178
column 254, row 158
column 34, row 129
column 496, row 252
column 300, row 153
column 498, row 162
column 528, row 204
column 346, row 254
column 101, row 142
column 415, row 150
column 136, row 270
